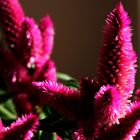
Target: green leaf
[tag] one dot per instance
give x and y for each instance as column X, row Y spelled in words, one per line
column 7, row 110
column 6, row 114
column 72, row 83
column 42, row 115
column 10, row 106
column 64, row 76
column 67, row 80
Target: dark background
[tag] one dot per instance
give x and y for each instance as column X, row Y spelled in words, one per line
column 78, row 27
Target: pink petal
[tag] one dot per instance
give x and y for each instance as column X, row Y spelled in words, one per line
column 129, row 126
column 31, row 44
column 108, row 104
column 11, row 17
column 78, row 135
column 117, row 57
column 47, row 29
column 23, row 128
column 63, row 99
column 47, row 72
column 12, row 71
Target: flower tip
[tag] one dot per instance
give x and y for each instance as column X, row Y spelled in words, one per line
column 46, row 21
column 41, row 86
column 23, row 128
column 120, row 5
column 36, row 84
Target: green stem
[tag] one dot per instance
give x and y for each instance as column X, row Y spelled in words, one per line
column 7, row 113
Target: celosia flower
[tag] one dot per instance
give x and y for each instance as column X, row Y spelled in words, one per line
column 117, row 57
column 108, row 105
column 29, row 59
column 128, row 127
column 11, row 18
column 75, row 104
column 22, row 129
column 47, row 30
column 101, row 107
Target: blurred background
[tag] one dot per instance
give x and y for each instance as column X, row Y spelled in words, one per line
column 78, row 27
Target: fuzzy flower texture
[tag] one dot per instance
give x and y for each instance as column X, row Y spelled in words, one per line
column 26, row 57
column 103, row 108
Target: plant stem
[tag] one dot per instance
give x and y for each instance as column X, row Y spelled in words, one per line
column 7, row 113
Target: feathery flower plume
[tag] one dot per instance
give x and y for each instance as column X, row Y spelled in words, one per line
column 108, row 106
column 58, row 96
column 117, row 57
column 31, row 43
column 102, row 113
column 128, row 127
column 47, row 30
column 11, row 18
column 23, row 128
column 75, row 104
column 30, row 59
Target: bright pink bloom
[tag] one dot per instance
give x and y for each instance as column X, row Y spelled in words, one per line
column 128, row 127
column 23, row 128
column 78, row 135
column 59, row 97
column 117, row 57
column 31, row 39
column 30, row 57
column 11, row 18
column 47, row 30
column 109, row 107
column 77, row 105
column 102, row 113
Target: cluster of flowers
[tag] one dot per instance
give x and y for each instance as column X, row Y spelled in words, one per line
column 101, row 108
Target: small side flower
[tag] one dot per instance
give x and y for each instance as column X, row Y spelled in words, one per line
column 23, row 128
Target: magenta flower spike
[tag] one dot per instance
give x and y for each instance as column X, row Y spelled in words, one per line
column 11, row 18
column 59, row 97
column 23, row 128
column 47, row 30
column 101, row 107
column 77, row 105
column 31, row 43
column 109, row 107
column 128, row 128
column 117, row 57
column 30, row 58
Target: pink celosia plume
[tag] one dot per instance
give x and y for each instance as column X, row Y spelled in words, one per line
column 128, row 127
column 101, row 107
column 56, row 95
column 117, row 57
column 31, row 39
column 47, row 30
column 22, row 129
column 11, row 18
column 30, row 59
column 108, row 104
